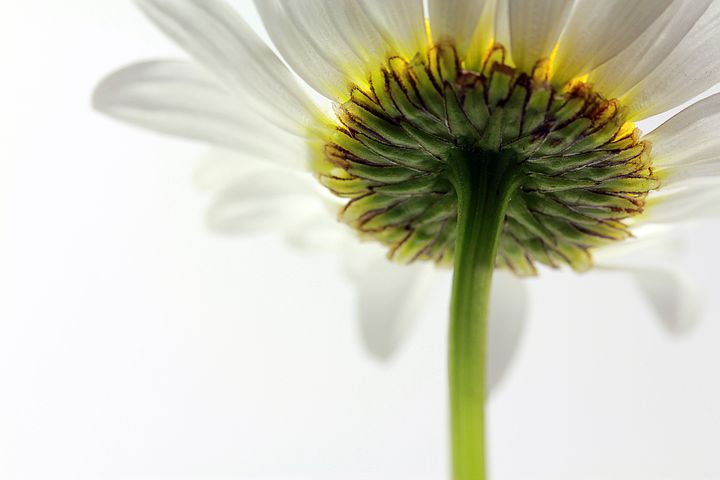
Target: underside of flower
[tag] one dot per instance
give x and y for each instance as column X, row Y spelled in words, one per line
column 579, row 169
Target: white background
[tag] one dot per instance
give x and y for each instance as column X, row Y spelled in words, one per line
column 136, row 345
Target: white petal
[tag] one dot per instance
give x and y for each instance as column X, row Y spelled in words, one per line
column 599, row 30
column 179, row 98
column 535, row 26
column 327, row 42
column 390, row 297
column 507, row 318
column 400, row 22
column 322, row 233
column 651, row 258
column 674, row 296
column 501, row 19
column 456, row 20
column 617, row 76
column 492, row 27
column 691, row 68
column 255, row 196
column 257, row 202
column 688, row 145
column 691, row 201
column 649, row 245
column 300, row 49
column 222, row 168
column 219, row 38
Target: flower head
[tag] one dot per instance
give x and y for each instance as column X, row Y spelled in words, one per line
column 552, row 89
column 554, row 86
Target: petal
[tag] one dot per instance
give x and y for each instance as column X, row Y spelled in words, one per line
column 456, row 21
column 648, row 244
column 675, row 297
column 179, row 98
column 688, row 145
column 257, row 201
column 322, row 233
column 390, row 297
column 617, row 76
column 507, row 318
column 689, row 202
column 220, row 39
column 300, row 49
column 599, row 30
column 691, row 68
column 329, row 43
column 253, row 196
column 651, row 258
column 535, row 26
column 400, row 22
column 493, row 27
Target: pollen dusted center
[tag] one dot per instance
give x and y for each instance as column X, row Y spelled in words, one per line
column 584, row 171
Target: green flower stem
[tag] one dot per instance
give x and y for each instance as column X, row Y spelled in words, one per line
column 484, row 187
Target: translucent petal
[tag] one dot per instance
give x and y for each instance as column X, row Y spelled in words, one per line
column 400, row 22
column 338, row 34
column 535, row 26
column 391, row 297
column 689, row 70
column 688, row 145
column 258, row 202
column 690, row 201
column 507, row 318
column 456, row 20
column 599, row 30
column 674, row 295
column 220, row 39
column 179, row 98
column 617, row 76
column 298, row 46
column 652, row 261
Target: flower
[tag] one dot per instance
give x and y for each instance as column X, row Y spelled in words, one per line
column 478, row 134
column 243, row 98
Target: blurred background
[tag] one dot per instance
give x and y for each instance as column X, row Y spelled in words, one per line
column 134, row 344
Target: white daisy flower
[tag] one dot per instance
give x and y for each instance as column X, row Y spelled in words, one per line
column 479, row 134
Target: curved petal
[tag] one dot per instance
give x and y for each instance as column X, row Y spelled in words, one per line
column 507, row 318
column 293, row 203
column 456, row 20
column 688, row 145
column 327, row 42
column 255, row 201
column 674, row 296
column 220, row 39
column 535, row 26
column 400, row 22
column 651, row 259
column 492, row 27
column 300, row 50
column 691, row 201
column 691, row 68
column 178, row 98
column 597, row 31
column 390, row 297
column 617, row 76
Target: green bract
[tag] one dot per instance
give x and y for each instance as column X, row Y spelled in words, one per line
column 582, row 171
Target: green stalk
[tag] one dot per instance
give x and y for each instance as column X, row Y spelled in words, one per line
column 484, row 187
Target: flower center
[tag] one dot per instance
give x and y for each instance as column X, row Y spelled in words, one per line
column 583, row 172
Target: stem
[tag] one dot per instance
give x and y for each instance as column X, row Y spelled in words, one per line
column 484, row 187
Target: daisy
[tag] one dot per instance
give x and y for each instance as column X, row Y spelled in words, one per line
column 477, row 134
